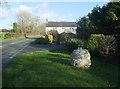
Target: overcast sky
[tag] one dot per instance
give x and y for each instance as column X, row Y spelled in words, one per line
column 54, row 11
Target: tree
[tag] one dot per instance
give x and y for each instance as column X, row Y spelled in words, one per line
column 14, row 27
column 41, row 28
column 26, row 22
column 102, row 20
column 85, row 28
column 85, row 25
column 107, row 18
column 114, row 7
column 114, row 0
column 23, row 20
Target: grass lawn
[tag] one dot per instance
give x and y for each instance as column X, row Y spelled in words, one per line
column 53, row 69
column 18, row 38
column 11, row 39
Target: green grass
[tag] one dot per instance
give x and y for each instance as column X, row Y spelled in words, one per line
column 4, row 32
column 53, row 69
column 7, row 39
column 11, row 39
column 18, row 38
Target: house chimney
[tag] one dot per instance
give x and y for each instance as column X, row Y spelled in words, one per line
column 76, row 21
column 46, row 20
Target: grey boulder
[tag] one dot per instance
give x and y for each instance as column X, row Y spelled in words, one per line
column 81, row 58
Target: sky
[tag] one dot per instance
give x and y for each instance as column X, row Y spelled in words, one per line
column 53, row 11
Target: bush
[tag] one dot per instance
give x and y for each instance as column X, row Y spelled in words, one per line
column 92, row 43
column 41, row 41
column 103, row 45
column 50, row 37
column 8, row 35
column 55, row 37
column 118, row 44
column 12, row 35
column 74, row 44
column 107, row 45
column 65, row 37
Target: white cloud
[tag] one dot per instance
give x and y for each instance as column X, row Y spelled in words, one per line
column 13, row 9
column 6, row 12
column 23, row 7
column 3, row 13
column 41, row 10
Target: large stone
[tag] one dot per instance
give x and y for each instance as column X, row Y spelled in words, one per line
column 81, row 58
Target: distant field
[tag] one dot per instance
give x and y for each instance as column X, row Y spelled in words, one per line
column 15, row 36
column 3, row 32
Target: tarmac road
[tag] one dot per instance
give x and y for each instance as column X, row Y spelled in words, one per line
column 12, row 48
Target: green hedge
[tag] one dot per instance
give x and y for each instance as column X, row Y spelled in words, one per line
column 74, row 43
column 92, row 44
column 13, row 35
column 105, row 45
column 66, row 37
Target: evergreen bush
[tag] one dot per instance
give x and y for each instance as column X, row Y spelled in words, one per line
column 66, row 37
column 74, row 43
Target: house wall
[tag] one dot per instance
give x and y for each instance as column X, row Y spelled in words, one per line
column 62, row 29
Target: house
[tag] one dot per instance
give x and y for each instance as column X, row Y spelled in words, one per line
column 68, row 27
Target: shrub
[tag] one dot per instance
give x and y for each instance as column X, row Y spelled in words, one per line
column 117, row 37
column 74, row 44
column 55, row 37
column 2, row 34
column 65, row 37
column 12, row 35
column 107, row 45
column 103, row 44
column 8, row 35
column 41, row 41
column 92, row 43
column 50, row 37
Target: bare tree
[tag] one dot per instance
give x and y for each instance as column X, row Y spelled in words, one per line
column 23, row 18
column 108, row 45
column 26, row 22
column 41, row 28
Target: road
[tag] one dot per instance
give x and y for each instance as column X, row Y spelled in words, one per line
column 12, row 48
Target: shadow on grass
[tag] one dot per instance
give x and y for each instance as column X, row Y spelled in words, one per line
column 105, row 71
column 40, row 71
column 101, row 69
column 66, row 51
column 53, row 69
column 59, row 59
